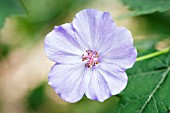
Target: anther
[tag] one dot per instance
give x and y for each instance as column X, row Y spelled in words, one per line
column 91, row 57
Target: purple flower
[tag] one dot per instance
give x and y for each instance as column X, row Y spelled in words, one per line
column 91, row 56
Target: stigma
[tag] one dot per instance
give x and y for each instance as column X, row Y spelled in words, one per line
column 91, row 57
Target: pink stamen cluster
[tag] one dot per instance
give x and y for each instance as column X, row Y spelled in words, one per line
column 91, row 57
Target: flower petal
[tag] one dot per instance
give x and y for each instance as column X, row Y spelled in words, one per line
column 115, row 77
column 93, row 28
column 106, row 81
column 122, row 53
column 98, row 88
column 61, row 45
column 69, row 81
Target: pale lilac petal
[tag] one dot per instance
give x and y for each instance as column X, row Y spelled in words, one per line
column 69, row 81
column 94, row 28
column 106, row 81
column 122, row 53
column 115, row 76
column 98, row 88
column 61, row 45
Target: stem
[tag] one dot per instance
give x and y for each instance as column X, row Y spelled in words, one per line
column 153, row 54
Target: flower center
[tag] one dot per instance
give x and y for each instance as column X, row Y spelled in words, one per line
column 91, row 57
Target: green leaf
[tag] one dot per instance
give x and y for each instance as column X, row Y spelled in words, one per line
column 37, row 97
column 148, row 87
column 142, row 7
column 4, row 50
column 8, row 7
column 158, row 23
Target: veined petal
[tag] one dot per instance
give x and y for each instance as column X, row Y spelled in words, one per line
column 69, row 81
column 114, row 76
column 106, row 81
column 61, row 46
column 98, row 88
column 121, row 53
column 93, row 29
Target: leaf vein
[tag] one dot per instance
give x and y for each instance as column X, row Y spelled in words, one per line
column 155, row 104
column 164, row 75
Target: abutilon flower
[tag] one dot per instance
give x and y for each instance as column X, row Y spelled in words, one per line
column 91, row 56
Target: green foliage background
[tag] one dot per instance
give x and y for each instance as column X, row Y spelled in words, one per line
column 148, row 88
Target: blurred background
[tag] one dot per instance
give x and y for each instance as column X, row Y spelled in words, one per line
column 24, row 66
